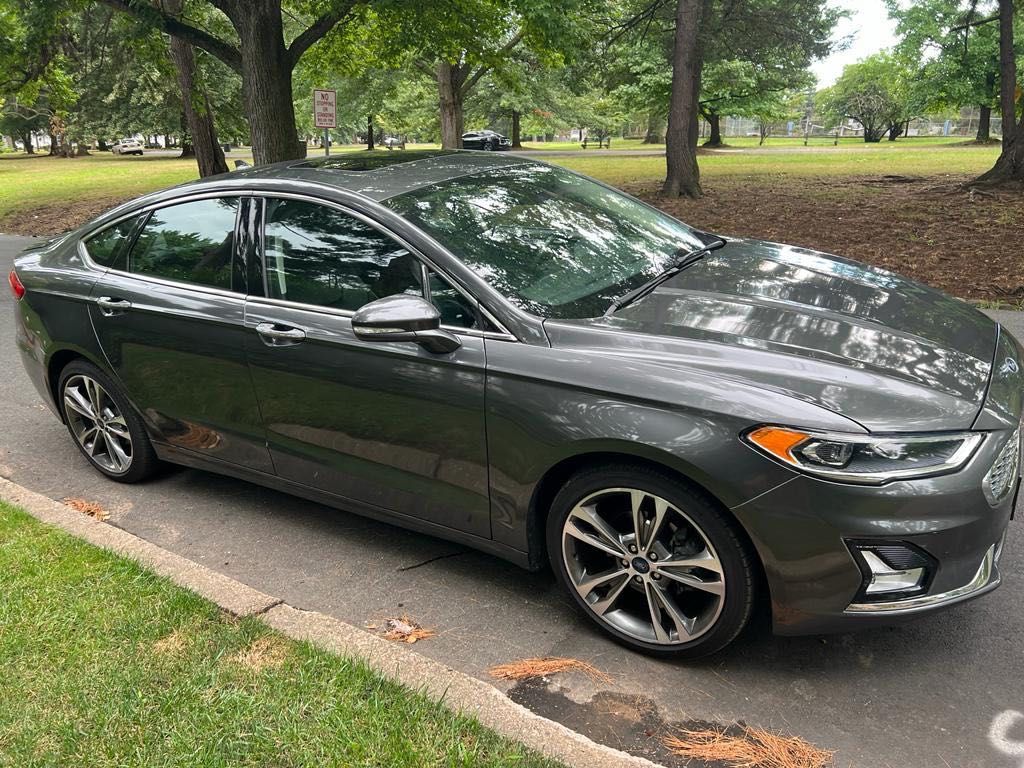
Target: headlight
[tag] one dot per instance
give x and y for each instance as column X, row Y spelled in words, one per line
column 866, row 459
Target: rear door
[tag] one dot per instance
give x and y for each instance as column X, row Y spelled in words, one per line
column 386, row 424
column 169, row 315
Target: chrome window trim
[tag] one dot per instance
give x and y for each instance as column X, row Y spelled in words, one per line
column 347, row 313
column 985, row 578
column 502, row 334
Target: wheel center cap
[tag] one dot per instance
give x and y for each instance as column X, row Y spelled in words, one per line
column 640, row 565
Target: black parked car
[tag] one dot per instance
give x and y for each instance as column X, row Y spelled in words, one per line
column 507, row 354
column 486, row 140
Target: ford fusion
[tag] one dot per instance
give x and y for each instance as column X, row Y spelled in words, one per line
column 512, row 356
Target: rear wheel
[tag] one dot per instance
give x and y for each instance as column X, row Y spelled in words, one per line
column 656, row 565
column 103, row 424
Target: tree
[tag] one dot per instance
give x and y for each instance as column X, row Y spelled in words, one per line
column 875, row 93
column 457, row 46
column 775, row 39
column 195, row 101
column 259, row 54
column 1009, row 167
column 683, row 173
column 956, row 57
column 21, row 122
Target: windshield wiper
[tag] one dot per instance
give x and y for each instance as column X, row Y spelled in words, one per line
column 684, row 260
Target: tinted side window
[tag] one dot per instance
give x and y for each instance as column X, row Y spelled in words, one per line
column 109, row 248
column 319, row 255
column 192, row 242
column 455, row 309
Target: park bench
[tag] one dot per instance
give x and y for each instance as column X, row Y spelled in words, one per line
column 599, row 141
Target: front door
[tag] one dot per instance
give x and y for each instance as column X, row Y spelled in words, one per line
column 390, row 425
column 170, row 319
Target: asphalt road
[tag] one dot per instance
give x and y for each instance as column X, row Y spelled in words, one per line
column 922, row 695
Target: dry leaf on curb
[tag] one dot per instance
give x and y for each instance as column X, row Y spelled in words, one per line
column 755, row 748
column 90, row 508
column 542, row 667
column 405, row 630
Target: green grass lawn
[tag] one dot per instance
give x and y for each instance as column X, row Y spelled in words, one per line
column 102, row 663
column 63, row 192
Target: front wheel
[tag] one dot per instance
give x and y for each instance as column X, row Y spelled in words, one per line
column 103, row 424
column 654, row 564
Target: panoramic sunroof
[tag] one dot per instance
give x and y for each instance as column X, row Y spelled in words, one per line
column 370, row 161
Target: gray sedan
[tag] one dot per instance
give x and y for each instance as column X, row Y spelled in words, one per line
column 509, row 355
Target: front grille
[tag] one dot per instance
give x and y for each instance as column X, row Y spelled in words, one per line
column 1002, row 476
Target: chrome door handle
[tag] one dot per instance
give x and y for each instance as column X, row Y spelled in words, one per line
column 110, row 306
column 280, row 335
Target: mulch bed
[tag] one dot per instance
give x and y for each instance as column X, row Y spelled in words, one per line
column 969, row 244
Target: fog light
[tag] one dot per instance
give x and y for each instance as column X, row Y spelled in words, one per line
column 886, row 579
column 892, row 570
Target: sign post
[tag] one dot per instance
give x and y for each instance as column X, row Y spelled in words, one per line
column 325, row 114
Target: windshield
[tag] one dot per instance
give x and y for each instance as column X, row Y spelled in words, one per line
column 554, row 243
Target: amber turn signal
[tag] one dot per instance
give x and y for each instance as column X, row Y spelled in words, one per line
column 778, row 442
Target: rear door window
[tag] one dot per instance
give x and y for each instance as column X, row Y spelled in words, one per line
column 191, row 242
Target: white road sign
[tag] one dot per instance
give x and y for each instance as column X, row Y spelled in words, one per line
column 324, row 108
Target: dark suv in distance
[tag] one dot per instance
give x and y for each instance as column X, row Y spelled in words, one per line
column 509, row 355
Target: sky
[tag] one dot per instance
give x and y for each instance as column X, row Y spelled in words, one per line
column 870, row 30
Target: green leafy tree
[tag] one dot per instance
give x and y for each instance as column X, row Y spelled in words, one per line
column 956, row 57
column 876, row 93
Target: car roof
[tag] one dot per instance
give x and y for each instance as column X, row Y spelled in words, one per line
column 376, row 175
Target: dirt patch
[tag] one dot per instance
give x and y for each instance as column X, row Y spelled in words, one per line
column 46, row 220
column 925, row 228
column 90, row 508
column 262, row 653
column 634, row 724
column 171, row 645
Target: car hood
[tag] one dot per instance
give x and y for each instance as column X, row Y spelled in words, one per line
column 884, row 351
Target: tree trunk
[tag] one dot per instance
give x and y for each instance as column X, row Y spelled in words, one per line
column 1009, row 168
column 101, row 145
column 1008, row 72
column 267, row 82
column 369, row 133
column 195, row 104
column 26, row 139
column 715, row 127
column 984, row 123
column 895, row 130
column 683, row 175
column 54, row 148
column 517, row 139
column 653, row 133
column 449, row 88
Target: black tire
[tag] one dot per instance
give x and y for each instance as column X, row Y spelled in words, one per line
column 730, row 544
column 489, row 145
column 144, row 462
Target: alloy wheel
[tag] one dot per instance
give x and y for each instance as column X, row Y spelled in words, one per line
column 643, row 566
column 98, row 424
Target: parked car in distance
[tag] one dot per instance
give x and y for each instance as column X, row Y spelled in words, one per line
column 126, row 147
column 393, row 142
column 489, row 141
column 506, row 354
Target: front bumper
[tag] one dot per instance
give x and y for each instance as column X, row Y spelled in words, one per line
column 803, row 531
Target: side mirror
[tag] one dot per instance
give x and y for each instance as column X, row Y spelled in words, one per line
column 404, row 318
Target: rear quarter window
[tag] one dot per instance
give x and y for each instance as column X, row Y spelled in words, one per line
column 109, row 247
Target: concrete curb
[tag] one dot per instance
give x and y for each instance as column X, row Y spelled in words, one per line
column 456, row 690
